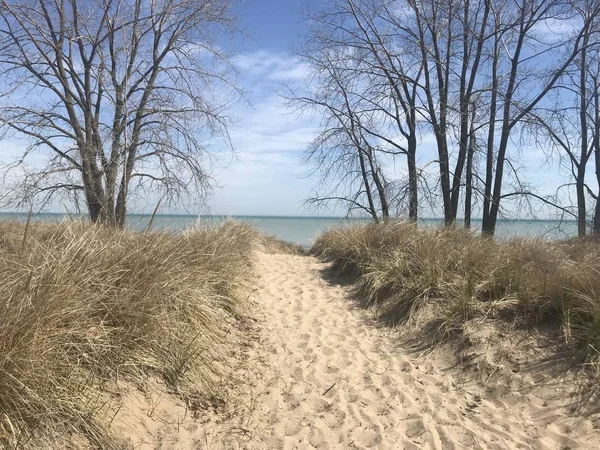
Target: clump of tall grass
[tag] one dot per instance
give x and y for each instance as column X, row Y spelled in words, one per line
column 83, row 305
column 274, row 245
column 457, row 276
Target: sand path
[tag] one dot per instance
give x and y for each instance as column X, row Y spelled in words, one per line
column 338, row 383
column 324, row 378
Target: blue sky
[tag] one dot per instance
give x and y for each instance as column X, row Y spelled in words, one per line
column 272, row 24
column 266, row 177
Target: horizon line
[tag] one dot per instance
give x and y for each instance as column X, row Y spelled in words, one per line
column 275, row 216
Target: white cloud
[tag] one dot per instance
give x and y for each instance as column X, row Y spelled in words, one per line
column 267, row 177
column 556, row 29
column 273, row 66
column 271, row 127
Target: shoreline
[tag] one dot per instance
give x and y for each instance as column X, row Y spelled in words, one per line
column 303, row 231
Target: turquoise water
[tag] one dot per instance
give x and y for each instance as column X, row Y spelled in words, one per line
column 303, row 230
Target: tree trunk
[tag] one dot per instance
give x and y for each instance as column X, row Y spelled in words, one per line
column 438, row 120
column 468, row 189
column 596, row 150
column 467, row 82
column 486, row 229
column 464, row 95
column 365, row 179
column 92, row 183
column 489, row 225
column 596, row 221
column 94, row 207
column 469, row 174
column 581, row 206
column 413, row 194
column 449, row 215
column 379, row 185
column 583, row 156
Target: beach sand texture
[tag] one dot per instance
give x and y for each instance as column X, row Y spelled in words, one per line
column 320, row 376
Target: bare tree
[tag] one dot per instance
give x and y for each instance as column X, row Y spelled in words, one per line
column 522, row 77
column 594, row 118
column 394, row 87
column 474, row 73
column 343, row 153
column 450, row 36
column 571, row 125
column 434, row 40
column 123, row 93
column 376, row 86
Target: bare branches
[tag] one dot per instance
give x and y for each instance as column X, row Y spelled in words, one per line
column 570, row 125
column 366, row 93
column 125, row 83
column 477, row 77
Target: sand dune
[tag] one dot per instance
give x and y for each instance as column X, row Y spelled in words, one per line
column 320, row 377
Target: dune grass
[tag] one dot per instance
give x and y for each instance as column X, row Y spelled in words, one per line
column 401, row 270
column 272, row 244
column 83, row 305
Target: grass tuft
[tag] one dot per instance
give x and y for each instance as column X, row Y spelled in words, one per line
column 274, row 245
column 84, row 305
column 402, row 270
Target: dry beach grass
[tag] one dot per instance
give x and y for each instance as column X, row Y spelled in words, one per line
column 401, row 270
column 222, row 338
column 85, row 306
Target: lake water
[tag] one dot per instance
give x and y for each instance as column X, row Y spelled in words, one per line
column 303, row 230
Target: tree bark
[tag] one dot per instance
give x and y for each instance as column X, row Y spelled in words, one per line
column 367, row 186
column 596, row 148
column 413, row 188
column 469, row 168
column 486, row 228
column 583, row 156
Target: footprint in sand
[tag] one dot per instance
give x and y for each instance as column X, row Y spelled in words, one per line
column 415, row 428
column 335, row 418
column 317, row 404
column 351, row 395
column 327, row 351
column 364, row 437
column 318, row 439
column 297, row 373
column 292, row 429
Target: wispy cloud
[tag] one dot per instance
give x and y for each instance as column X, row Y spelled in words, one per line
column 271, row 66
column 556, row 29
column 267, row 177
column 271, row 127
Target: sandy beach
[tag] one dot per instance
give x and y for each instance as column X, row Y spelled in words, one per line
column 319, row 375
column 300, row 224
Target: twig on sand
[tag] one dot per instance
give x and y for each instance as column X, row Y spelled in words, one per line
column 328, row 389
